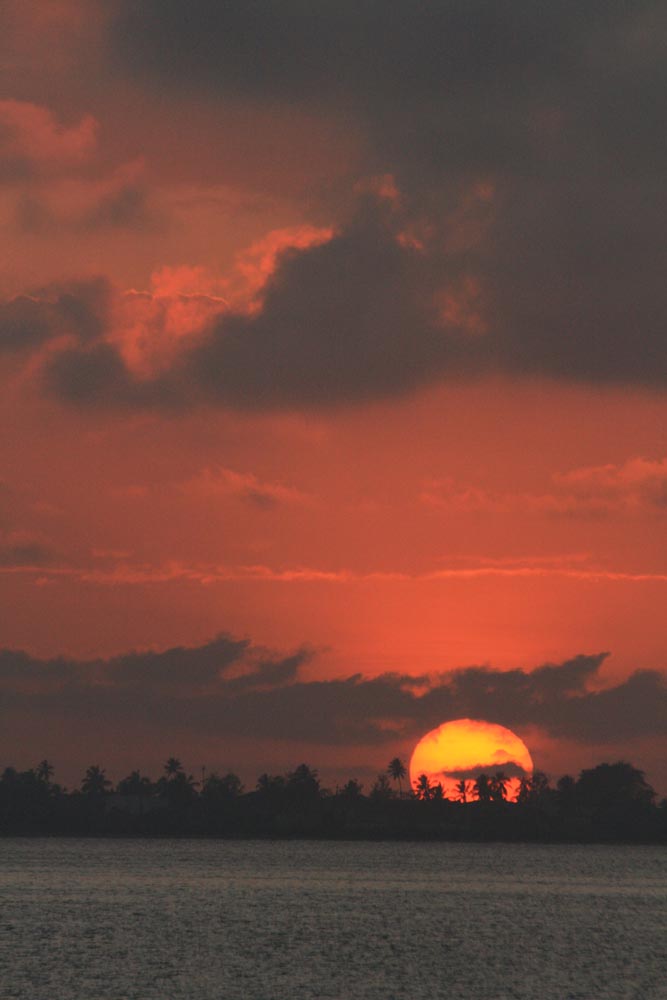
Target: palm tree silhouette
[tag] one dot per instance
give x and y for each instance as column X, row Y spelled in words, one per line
column 462, row 790
column 44, row 771
column 172, row 767
column 95, row 781
column 397, row 771
column 303, row 784
column 483, row 788
column 423, row 787
column 138, row 785
column 498, row 786
column 381, row 789
column 352, row 789
column 134, row 784
column 523, row 795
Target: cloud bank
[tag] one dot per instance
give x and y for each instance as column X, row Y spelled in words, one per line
column 229, row 688
column 517, row 226
column 554, row 109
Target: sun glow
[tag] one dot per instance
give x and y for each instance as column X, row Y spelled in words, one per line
column 464, row 748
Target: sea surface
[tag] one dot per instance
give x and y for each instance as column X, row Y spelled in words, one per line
column 249, row 920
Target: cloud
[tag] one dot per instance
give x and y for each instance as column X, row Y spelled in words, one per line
column 126, row 207
column 75, row 309
column 221, row 667
column 408, row 52
column 502, row 762
column 554, row 110
column 98, row 376
column 33, row 141
column 347, row 320
column 20, row 549
column 357, row 318
column 179, row 667
column 117, row 569
column 638, row 485
column 231, row 687
column 222, row 482
column 117, row 200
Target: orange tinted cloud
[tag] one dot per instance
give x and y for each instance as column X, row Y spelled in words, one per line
column 255, row 265
column 31, row 137
column 637, row 485
column 222, row 482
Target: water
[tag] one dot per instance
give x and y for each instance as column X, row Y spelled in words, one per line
column 216, row 920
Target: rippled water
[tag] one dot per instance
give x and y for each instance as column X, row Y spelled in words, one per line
column 137, row 920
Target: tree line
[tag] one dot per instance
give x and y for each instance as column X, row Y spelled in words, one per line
column 609, row 802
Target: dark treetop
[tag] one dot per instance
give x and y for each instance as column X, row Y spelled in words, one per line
column 610, row 802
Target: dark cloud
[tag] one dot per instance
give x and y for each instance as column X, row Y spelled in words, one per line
column 361, row 317
column 177, row 667
column 441, row 85
column 557, row 107
column 508, row 767
column 229, row 687
column 366, row 49
column 79, row 309
column 26, row 552
column 127, row 207
column 19, row 671
column 350, row 320
column 93, row 375
column 224, row 664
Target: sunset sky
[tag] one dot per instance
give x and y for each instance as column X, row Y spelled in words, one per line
column 333, row 361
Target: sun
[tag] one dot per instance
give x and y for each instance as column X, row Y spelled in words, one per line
column 464, row 748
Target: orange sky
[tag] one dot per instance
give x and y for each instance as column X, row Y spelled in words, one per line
column 488, row 492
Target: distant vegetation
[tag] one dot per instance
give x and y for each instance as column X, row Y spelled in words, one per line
column 610, row 802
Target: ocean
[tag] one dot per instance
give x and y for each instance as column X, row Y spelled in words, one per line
column 299, row 920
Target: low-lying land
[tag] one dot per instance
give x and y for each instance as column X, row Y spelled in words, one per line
column 611, row 802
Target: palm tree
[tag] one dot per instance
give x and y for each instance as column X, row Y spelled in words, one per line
column 523, row 795
column 483, row 788
column 352, row 789
column 271, row 785
column 498, row 786
column 539, row 786
column 397, row 771
column 134, row 784
column 180, row 789
column 95, row 781
column 462, row 790
column 381, row 790
column 423, row 787
column 44, row 771
column 303, row 784
column 567, row 791
column 172, row 767
column 227, row 787
column 533, row 788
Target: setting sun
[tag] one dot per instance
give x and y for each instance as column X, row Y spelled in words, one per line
column 460, row 750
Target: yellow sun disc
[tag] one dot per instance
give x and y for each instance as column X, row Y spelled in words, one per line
column 460, row 750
